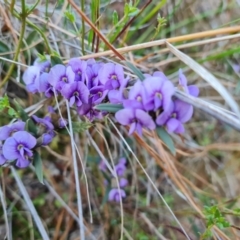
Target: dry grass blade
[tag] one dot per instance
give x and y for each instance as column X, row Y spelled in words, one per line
column 207, row 76
column 210, row 109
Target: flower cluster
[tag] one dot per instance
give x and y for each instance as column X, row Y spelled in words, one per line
column 85, row 84
column 17, row 144
column 115, row 194
column 150, row 103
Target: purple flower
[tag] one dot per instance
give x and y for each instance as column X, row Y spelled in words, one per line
column 92, row 70
column 120, row 168
column 97, row 94
column 7, row 131
column 47, row 137
column 178, row 113
column 18, row 147
column 115, row 194
column 89, row 111
column 44, row 85
column 136, row 96
column 122, row 161
column 62, row 122
column 43, row 66
column 44, row 122
column 116, row 96
column 60, row 76
column 136, row 118
column 112, row 76
column 191, row 89
column 31, row 79
column 79, row 68
column 159, row 91
column 123, row 182
column 76, row 92
column 2, row 158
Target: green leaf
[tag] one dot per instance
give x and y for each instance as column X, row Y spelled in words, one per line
column 4, row 47
column 37, row 163
column 166, row 138
column 135, row 70
column 23, row 115
column 4, row 103
column 70, row 16
column 12, row 112
column 55, row 60
column 109, row 107
column 31, row 37
column 115, row 18
column 31, row 127
column 79, row 127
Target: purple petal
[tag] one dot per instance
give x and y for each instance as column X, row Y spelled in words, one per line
column 122, row 161
column 184, row 111
column 180, row 129
column 172, row 124
column 22, row 162
column 115, row 96
column 145, row 119
column 17, row 126
column 70, row 75
column 132, row 128
column 125, row 116
column 31, row 75
column 105, row 72
column 9, row 149
column 139, row 129
column 123, row 182
column 193, row 90
column 165, row 115
column 112, row 194
column 79, row 68
column 43, row 82
column 56, row 73
column 181, row 78
column 25, row 138
column 2, row 159
column 168, row 90
column 4, row 132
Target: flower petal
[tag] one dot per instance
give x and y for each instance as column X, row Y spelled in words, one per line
column 4, row 132
column 172, row 124
column 184, row 111
column 9, row 149
column 193, row 90
column 144, row 119
column 125, row 116
column 22, row 162
column 25, row 138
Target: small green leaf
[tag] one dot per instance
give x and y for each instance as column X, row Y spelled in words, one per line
column 4, row 103
column 70, row 16
column 55, row 60
column 31, row 127
column 135, row 70
column 109, row 107
column 4, row 47
column 31, row 37
column 115, row 18
column 12, row 112
column 166, row 138
column 23, row 115
column 37, row 162
column 79, row 127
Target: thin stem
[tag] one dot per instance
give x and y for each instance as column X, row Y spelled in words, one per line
column 83, row 27
column 75, row 168
column 12, row 66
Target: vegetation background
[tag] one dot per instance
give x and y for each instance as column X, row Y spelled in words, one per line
column 199, row 184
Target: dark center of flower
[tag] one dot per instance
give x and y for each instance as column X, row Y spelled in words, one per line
column 47, row 69
column 100, row 94
column 174, row 115
column 76, row 94
column 139, row 98
column 79, row 72
column 114, row 77
column 158, row 94
column 19, row 147
column 64, row 79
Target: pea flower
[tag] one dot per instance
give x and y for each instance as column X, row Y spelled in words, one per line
column 136, row 118
column 92, row 79
column 59, row 76
column 89, row 111
column 43, row 66
column 76, row 92
column 8, row 130
column 18, row 147
column 44, row 85
column 116, row 194
column 79, row 68
column 2, row 158
column 45, row 122
column 97, row 94
column 112, row 76
column 123, row 182
column 47, row 137
column 159, row 91
column 31, row 79
column 173, row 118
column 120, row 168
column 191, row 89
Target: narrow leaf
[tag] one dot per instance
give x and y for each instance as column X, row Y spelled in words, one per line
column 135, row 70
column 166, row 138
column 55, row 60
column 37, row 162
column 109, row 107
column 23, row 115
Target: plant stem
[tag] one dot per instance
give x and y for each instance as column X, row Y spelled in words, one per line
column 23, row 18
column 83, row 27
